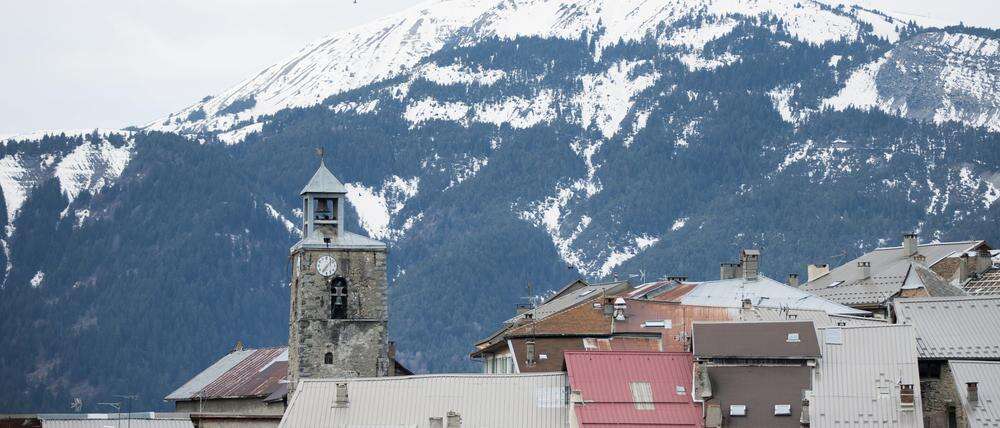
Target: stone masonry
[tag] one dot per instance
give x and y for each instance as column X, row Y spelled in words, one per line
column 358, row 344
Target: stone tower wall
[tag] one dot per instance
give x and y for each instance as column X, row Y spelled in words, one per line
column 359, row 343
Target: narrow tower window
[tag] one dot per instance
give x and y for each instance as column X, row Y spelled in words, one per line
column 328, row 358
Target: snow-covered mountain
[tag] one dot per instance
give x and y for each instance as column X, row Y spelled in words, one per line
column 392, row 46
column 494, row 144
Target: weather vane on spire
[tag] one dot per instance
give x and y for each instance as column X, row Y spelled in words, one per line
column 320, row 153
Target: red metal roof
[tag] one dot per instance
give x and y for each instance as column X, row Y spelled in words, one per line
column 604, row 378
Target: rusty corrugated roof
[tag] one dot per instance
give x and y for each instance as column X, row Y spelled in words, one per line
column 239, row 374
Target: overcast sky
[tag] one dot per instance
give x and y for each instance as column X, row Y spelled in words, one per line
column 69, row 64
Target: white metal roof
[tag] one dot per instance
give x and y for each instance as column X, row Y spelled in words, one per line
column 100, row 420
column 521, row 400
column 347, row 240
column 323, row 181
column 819, row 318
column 985, row 412
column 965, row 327
column 763, row 292
column 210, row 374
column 857, row 381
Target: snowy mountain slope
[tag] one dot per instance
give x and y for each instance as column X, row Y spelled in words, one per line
column 391, row 46
column 935, row 76
column 93, row 161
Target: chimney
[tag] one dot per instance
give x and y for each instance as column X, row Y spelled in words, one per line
column 814, row 271
column 454, row 420
column 962, row 271
column 747, row 304
column 750, row 260
column 983, row 260
column 620, row 307
column 972, row 389
column 866, row 269
column 727, row 270
column 793, row 280
column 238, row 347
column 341, row 400
column 677, row 278
column 909, row 244
column 436, row 422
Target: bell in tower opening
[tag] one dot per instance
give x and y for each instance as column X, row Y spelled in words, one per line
column 338, row 320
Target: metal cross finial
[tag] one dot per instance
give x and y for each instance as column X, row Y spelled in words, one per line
column 320, row 152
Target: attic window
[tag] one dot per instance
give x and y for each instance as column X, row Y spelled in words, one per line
column 589, row 344
column 642, row 395
column 782, row 410
column 737, row 410
column 658, row 324
column 792, row 338
column 680, row 390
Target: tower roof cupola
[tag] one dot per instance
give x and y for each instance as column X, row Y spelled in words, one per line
column 323, row 181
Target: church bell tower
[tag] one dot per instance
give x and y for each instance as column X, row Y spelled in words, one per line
column 338, row 319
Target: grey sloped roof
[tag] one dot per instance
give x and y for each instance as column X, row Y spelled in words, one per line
column 764, row 292
column 986, row 411
column 857, row 381
column 571, row 299
column 323, row 181
column 238, row 374
column 521, row 400
column 890, row 272
column 347, row 240
column 965, row 327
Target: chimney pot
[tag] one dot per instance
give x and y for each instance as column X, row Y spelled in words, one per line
column 973, row 391
column 793, row 279
column 909, row 244
column 866, row 269
column 341, row 395
column 747, row 304
column 677, row 278
column 454, row 420
column 750, row 261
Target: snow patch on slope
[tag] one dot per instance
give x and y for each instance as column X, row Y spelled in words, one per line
column 607, row 98
column 376, row 208
column 36, row 281
column 429, row 109
column 91, row 167
column 518, row 112
column 289, row 226
column 456, row 74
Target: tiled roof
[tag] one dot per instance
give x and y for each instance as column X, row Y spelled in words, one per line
column 966, row 327
column 987, row 283
column 857, row 380
column 782, row 339
column 524, row 400
column 239, row 374
column 633, row 389
column 986, row 411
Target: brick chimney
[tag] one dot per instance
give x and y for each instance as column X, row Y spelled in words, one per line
column 814, row 271
column 983, row 260
column 750, row 260
column 793, row 280
column 909, row 244
column 727, row 270
column 677, row 278
column 972, row 389
column 866, row 269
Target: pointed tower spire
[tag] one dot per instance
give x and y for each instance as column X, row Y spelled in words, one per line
column 323, row 203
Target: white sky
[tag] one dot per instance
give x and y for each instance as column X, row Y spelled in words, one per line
column 69, row 64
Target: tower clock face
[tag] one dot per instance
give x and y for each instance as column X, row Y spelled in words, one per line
column 326, row 266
